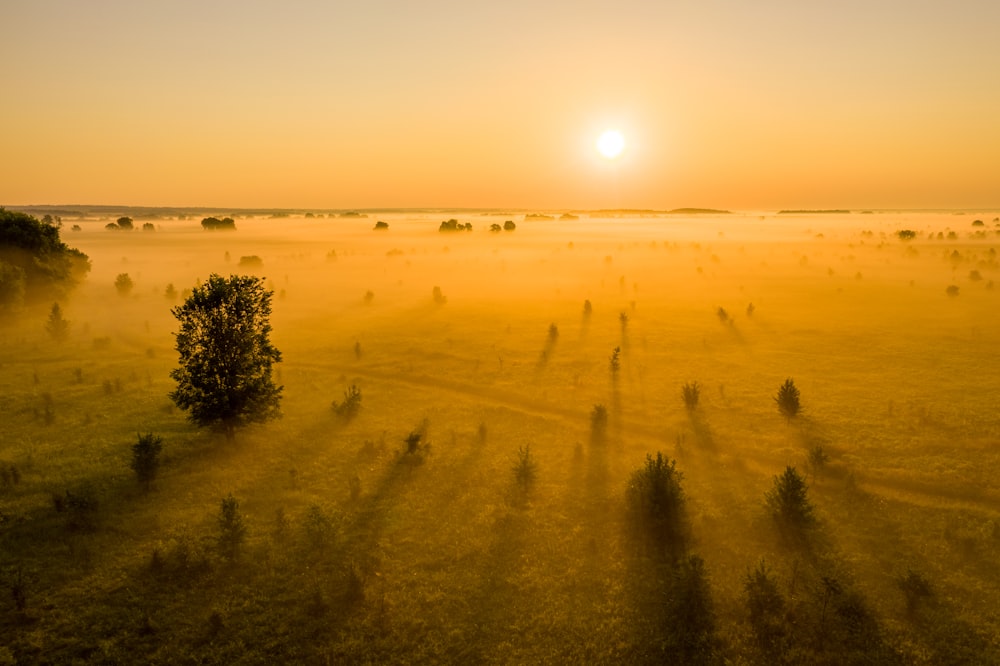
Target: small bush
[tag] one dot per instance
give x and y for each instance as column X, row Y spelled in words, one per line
column 906, row 234
column 525, row 468
column 232, row 528
column 655, row 503
column 691, row 614
column 553, row 332
column 722, row 315
column 146, row 458
column 320, row 527
column 381, row 226
column 915, row 589
column 788, row 400
column 438, row 296
column 690, row 393
column 351, row 405
column 787, row 501
column 56, row 326
column 951, row 290
column 598, row 423
column 252, row 261
column 509, row 225
column 615, row 362
column 818, row 458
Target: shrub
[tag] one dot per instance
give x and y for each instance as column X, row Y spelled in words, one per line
column 655, row 503
column 951, row 290
column 588, row 309
column 906, row 234
column 351, row 405
column 170, row 292
column 124, row 284
column 525, row 468
column 598, row 423
column 381, row 226
column 615, row 360
column 438, row 296
column 252, row 261
column 723, row 316
column 691, row 616
column 320, row 527
column 690, row 393
column 915, row 589
column 818, row 457
column 509, row 225
column 495, row 228
column 787, row 501
column 553, row 332
column 232, row 528
column 148, row 226
column 788, row 399
column 57, row 326
column 146, row 458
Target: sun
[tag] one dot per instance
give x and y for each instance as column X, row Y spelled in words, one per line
column 611, row 144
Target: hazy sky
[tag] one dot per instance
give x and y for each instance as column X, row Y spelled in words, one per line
column 740, row 104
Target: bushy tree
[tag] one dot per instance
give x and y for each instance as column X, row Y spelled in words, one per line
column 788, row 399
column 125, row 223
column 226, row 355
column 146, row 458
column 525, row 469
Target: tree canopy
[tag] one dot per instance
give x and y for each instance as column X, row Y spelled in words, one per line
column 34, row 262
column 224, row 379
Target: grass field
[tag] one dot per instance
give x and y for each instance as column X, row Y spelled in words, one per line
column 357, row 552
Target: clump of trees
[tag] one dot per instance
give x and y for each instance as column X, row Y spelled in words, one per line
column 509, row 225
column 906, row 234
column 215, row 224
column 34, row 262
column 454, row 225
column 381, row 226
column 226, row 356
column 252, row 261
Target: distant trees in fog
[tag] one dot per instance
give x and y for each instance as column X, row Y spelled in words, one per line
column 381, row 226
column 906, row 234
column 454, row 225
column 215, row 224
column 124, row 284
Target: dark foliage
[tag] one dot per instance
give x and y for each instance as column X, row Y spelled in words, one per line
column 232, row 528
column 56, row 326
column 124, row 284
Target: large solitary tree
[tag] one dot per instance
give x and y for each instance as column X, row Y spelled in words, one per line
column 224, row 379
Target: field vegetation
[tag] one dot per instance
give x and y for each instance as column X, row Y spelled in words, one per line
column 565, row 452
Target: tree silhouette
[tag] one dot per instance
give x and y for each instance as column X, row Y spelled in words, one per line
column 788, row 400
column 224, row 378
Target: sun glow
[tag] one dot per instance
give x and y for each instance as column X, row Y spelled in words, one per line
column 611, row 144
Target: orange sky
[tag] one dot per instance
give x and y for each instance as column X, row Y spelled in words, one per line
column 728, row 104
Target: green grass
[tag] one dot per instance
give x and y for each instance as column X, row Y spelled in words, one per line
column 442, row 557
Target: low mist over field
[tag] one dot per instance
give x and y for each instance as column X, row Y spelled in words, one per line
column 525, row 398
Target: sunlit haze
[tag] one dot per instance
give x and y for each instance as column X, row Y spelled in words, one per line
column 736, row 105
